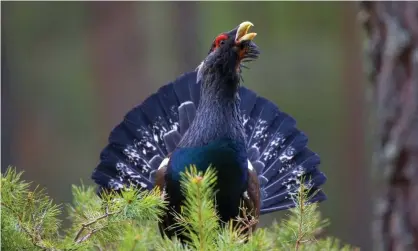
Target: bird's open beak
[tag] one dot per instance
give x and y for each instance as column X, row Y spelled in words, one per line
column 242, row 32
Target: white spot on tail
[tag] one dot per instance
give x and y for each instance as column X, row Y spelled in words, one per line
column 288, row 154
column 115, row 185
column 245, row 119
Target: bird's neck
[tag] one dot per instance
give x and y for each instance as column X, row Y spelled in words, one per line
column 218, row 114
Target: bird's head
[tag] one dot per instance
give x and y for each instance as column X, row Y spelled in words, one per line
column 228, row 53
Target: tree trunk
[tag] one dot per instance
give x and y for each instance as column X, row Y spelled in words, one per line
column 392, row 29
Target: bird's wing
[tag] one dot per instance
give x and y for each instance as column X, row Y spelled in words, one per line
column 252, row 197
column 160, row 183
column 253, row 190
column 159, row 178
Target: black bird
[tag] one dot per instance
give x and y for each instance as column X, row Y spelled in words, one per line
column 259, row 155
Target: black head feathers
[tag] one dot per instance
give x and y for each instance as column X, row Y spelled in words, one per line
column 227, row 54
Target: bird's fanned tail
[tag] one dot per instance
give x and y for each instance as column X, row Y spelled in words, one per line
column 150, row 131
column 147, row 134
column 279, row 153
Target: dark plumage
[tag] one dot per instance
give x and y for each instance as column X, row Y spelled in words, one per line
column 258, row 154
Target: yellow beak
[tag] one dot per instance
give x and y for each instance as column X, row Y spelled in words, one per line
column 242, row 32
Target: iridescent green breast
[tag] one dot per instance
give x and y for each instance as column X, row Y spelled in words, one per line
column 227, row 157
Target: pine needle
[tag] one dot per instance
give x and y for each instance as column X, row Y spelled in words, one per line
column 128, row 220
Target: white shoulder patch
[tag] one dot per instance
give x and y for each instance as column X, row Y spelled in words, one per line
column 199, row 73
column 164, row 163
column 199, row 66
column 250, row 166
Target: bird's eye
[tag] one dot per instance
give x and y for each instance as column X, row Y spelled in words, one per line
column 222, row 42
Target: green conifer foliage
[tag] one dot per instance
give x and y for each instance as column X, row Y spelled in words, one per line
column 128, row 221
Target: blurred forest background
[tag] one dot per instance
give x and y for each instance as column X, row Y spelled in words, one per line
column 71, row 70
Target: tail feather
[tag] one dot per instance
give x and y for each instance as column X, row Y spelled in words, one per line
column 286, row 204
column 187, row 112
column 305, row 162
column 280, row 192
column 278, row 152
column 276, row 148
column 253, row 155
column 136, row 123
column 251, row 118
column 169, row 103
column 171, row 140
column 248, row 100
column 285, row 157
column 182, row 87
column 284, row 127
column 147, row 134
column 264, row 113
column 194, row 88
column 115, row 171
column 157, row 120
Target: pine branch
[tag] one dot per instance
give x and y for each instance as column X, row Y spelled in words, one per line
column 94, row 221
column 33, row 211
column 36, row 241
column 199, row 217
column 127, row 221
column 300, row 201
column 246, row 222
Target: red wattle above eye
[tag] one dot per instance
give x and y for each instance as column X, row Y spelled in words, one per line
column 219, row 39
